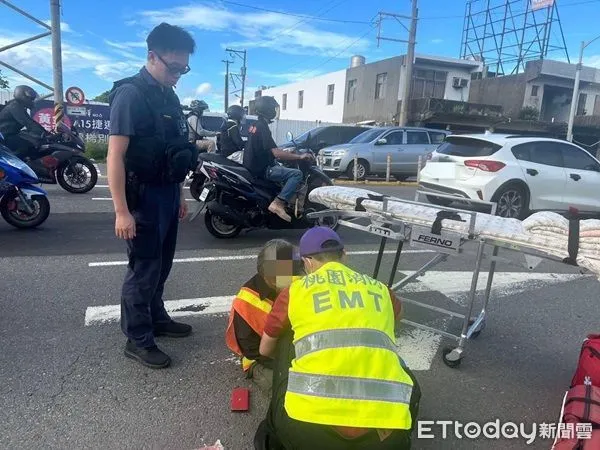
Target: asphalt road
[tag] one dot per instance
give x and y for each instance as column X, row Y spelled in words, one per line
column 66, row 384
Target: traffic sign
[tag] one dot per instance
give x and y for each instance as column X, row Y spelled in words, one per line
column 75, row 96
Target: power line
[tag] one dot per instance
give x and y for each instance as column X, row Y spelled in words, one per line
column 340, row 52
column 292, row 14
column 295, row 26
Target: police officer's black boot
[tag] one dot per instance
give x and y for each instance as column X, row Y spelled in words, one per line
column 172, row 329
column 151, row 357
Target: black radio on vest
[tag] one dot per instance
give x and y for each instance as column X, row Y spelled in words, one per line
column 160, row 153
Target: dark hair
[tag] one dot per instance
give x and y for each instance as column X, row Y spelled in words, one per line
column 275, row 249
column 331, row 256
column 166, row 38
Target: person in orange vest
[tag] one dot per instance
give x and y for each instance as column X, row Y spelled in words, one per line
column 339, row 383
column 277, row 265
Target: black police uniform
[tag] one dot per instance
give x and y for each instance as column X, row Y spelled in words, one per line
column 156, row 162
column 230, row 139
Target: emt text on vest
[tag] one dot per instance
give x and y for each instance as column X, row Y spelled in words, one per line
column 322, row 300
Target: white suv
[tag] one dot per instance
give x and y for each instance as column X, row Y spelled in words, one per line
column 521, row 174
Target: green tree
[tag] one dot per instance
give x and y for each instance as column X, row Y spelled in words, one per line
column 3, row 81
column 102, row 97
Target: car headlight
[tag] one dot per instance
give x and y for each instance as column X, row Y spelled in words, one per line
column 339, row 152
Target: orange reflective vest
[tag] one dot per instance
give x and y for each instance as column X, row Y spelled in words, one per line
column 254, row 309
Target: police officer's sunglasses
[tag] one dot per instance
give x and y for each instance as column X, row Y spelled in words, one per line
column 173, row 68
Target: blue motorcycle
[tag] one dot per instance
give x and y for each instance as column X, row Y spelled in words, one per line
column 22, row 204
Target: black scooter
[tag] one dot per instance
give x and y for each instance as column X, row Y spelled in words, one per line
column 59, row 158
column 236, row 201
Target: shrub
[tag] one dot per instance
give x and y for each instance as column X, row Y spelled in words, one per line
column 96, row 151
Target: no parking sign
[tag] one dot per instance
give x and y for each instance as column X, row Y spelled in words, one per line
column 75, row 96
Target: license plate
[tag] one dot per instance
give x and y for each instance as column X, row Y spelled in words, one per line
column 441, row 170
column 204, row 194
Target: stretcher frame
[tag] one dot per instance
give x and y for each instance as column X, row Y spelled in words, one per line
column 383, row 224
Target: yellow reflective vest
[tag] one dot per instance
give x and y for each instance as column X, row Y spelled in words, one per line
column 346, row 371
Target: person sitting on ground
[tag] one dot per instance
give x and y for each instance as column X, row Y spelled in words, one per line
column 338, row 381
column 260, row 154
column 277, row 264
column 198, row 134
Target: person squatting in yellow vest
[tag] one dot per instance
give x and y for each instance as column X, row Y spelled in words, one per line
column 346, row 388
column 277, row 264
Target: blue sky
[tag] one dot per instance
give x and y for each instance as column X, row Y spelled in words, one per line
column 103, row 40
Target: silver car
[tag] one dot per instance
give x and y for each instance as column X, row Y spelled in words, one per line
column 403, row 144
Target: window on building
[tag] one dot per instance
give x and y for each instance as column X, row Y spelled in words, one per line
column 581, row 104
column 330, row 91
column 351, row 91
column 380, row 85
column 300, row 99
column 534, row 90
column 284, row 102
column 429, row 83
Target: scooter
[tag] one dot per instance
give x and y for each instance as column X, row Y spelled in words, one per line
column 59, row 158
column 236, row 201
column 22, row 204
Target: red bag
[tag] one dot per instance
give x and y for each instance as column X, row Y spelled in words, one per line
column 589, row 362
column 580, row 420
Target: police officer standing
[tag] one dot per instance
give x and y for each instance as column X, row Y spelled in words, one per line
column 149, row 157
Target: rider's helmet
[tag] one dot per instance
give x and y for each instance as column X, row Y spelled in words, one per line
column 198, row 106
column 235, row 112
column 266, row 107
column 25, row 95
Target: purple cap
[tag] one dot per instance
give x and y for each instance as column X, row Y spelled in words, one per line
column 312, row 242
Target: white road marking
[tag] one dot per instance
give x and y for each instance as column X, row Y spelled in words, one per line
column 416, row 347
column 240, row 257
column 456, row 285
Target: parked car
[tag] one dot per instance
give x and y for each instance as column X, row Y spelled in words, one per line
column 405, row 145
column 521, row 174
column 319, row 138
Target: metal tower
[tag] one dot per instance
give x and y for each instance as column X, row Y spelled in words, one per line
column 505, row 34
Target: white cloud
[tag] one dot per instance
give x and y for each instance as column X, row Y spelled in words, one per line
column 126, row 45
column 437, row 41
column 35, row 58
column 111, row 71
column 266, row 30
column 64, row 26
column 203, row 89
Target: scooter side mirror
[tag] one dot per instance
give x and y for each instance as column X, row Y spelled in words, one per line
column 289, row 136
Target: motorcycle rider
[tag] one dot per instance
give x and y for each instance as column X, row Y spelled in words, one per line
column 198, row 134
column 262, row 151
column 14, row 116
column 231, row 138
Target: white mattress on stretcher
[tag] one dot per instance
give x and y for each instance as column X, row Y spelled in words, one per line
column 546, row 232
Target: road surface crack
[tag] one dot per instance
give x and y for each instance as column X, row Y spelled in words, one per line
column 66, row 376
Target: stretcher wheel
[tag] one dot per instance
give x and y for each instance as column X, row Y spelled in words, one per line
column 450, row 362
column 476, row 332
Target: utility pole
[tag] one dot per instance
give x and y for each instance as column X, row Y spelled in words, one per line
column 410, row 56
column 575, row 98
column 57, row 62
column 242, row 75
column 227, row 62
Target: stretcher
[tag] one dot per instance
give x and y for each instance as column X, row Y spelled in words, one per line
column 447, row 231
